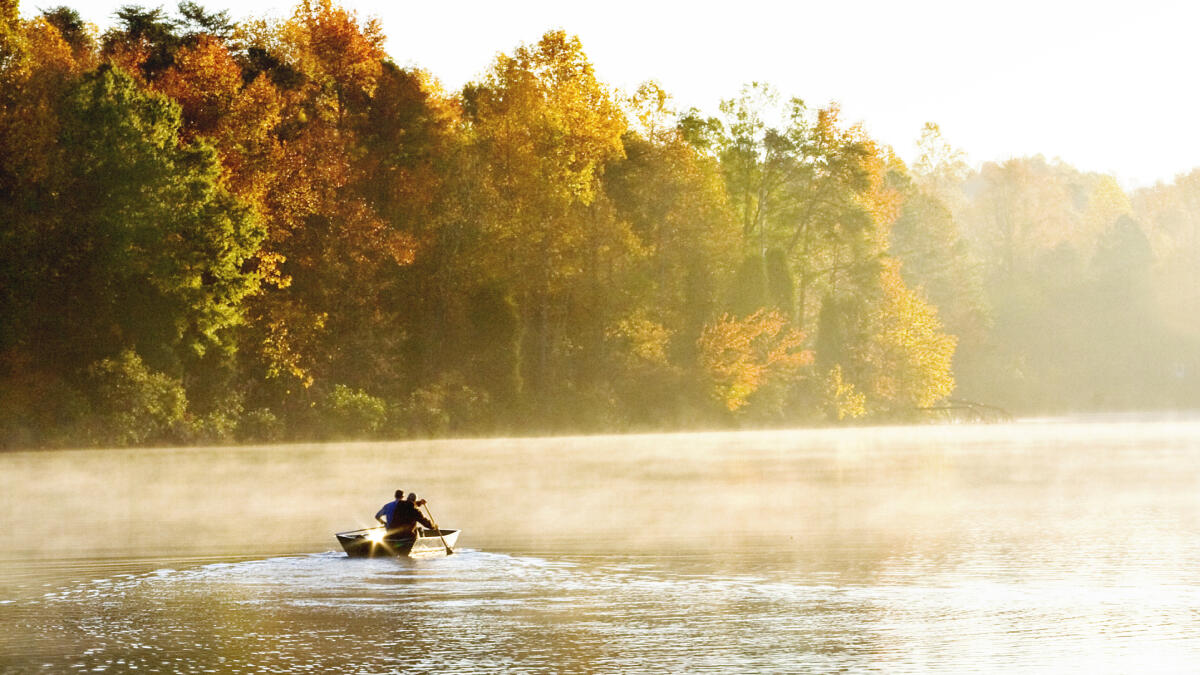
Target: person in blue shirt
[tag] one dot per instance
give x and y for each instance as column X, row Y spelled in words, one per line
column 387, row 513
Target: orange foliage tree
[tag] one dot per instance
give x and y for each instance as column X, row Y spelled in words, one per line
column 741, row 356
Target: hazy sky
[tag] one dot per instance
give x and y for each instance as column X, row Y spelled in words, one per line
column 1101, row 85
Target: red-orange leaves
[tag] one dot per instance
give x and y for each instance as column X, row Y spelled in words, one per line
column 342, row 56
column 205, row 81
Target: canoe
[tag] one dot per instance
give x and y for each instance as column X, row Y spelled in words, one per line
column 374, row 542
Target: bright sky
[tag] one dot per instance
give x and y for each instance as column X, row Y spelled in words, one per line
column 1105, row 86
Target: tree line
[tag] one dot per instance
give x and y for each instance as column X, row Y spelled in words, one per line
column 214, row 231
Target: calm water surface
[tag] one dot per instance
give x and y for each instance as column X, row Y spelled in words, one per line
column 1035, row 546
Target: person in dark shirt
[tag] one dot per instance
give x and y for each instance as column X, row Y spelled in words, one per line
column 404, row 519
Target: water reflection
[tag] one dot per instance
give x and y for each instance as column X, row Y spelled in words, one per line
column 1031, row 547
column 480, row 610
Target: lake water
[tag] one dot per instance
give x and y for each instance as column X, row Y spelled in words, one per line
column 1035, row 546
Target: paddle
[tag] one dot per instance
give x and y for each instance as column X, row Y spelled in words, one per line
column 439, row 530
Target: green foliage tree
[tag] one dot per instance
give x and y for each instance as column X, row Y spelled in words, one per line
column 132, row 404
column 128, row 243
column 353, row 413
column 71, row 27
column 687, row 240
column 936, row 258
column 674, row 199
column 495, row 346
column 165, row 243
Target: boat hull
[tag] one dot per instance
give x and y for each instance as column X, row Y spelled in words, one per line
column 372, row 543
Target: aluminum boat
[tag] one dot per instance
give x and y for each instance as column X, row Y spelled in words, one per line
column 375, row 542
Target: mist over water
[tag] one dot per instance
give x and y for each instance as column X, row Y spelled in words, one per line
column 1042, row 545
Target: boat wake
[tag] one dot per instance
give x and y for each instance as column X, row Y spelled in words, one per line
column 479, row 610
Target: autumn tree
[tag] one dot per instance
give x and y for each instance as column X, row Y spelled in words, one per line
column 937, row 260
column 545, row 128
column 269, row 229
column 673, row 198
column 909, row 353
column 817, row 203
column 743, row 357
column 325, row 318
column 940, row 169
column 1169, row 213
column 130, row 241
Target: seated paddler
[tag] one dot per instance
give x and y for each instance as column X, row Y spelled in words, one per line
column 402, row 516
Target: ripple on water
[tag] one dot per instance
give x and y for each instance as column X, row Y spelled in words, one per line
column 478, row 610
column 1055, row 548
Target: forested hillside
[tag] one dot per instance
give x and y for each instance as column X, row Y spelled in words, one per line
column 214, row 231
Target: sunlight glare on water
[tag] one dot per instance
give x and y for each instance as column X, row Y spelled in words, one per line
column 1044, row 546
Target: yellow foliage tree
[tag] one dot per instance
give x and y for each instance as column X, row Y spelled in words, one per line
column 910, row 355
column 842, row 399
column 38, row 67
column 645, row 341
column 1106, row 203
column 540, row 129
column 547, row 126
